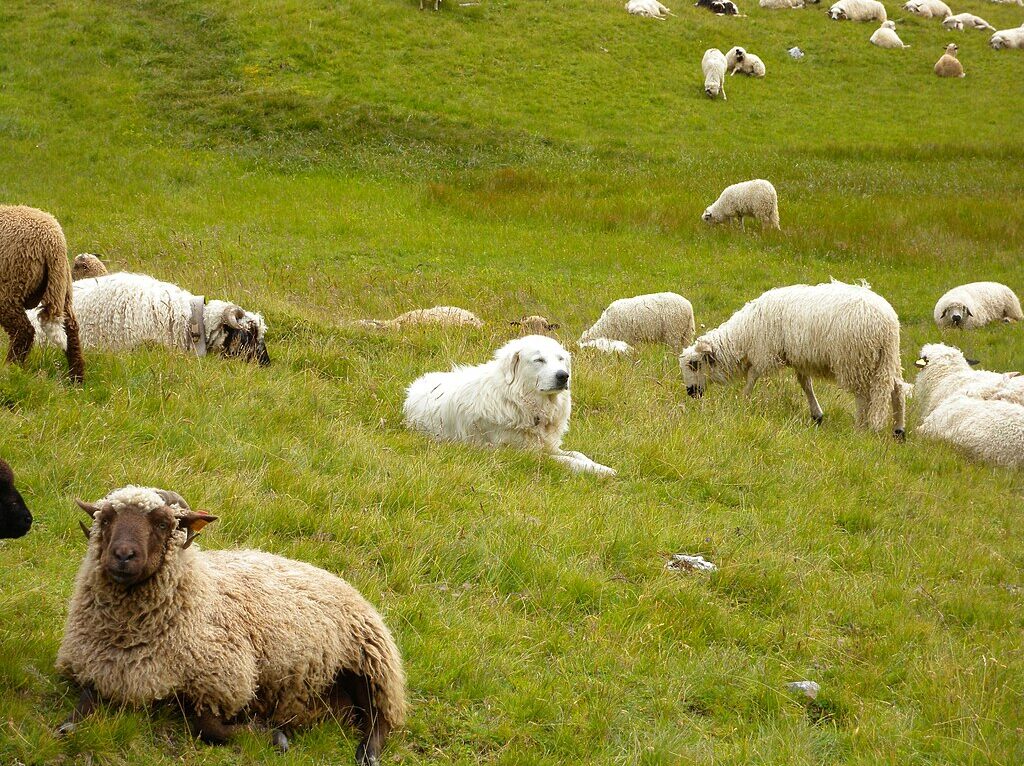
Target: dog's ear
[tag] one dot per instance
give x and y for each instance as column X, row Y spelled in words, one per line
column 510, row 366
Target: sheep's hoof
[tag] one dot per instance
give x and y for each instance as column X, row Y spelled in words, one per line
column 364, row 757
column 899, row 434
column 279, row 740
column 66, row 729
column 818, row 419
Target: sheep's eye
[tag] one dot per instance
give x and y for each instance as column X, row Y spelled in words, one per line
column 162, row 526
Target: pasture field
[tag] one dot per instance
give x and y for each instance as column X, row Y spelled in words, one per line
column 326, row 160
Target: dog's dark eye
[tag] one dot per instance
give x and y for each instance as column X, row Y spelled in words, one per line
column 540, row 361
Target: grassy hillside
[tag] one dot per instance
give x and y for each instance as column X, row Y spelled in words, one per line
column 322, row 161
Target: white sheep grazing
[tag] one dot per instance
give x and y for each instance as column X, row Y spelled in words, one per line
column 441, row 316
column 1008, row 38
column 607, row 346
column 739, row 60
column 943, row 372
column 991, row 431
column 713, row 66
column 961, row 21
column 756, row 199
column 124, row 310
column 928, row 9
column 857, row 10
column 976, row 305
column 778, row 5
column 655, row 318
column 650, row 9
column 885, row 36
column 844, row 332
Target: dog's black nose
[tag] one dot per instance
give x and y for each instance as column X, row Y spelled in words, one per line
column 561, row 377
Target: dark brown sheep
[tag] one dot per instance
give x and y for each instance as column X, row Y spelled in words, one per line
column 15, row 519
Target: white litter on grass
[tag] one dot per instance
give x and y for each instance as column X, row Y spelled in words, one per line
column 808, row 688
column 682, row 562
column 796, row 53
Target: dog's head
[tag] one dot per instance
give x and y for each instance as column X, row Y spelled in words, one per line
column 535, row 363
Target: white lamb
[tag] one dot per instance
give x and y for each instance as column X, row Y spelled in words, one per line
column 961, row 21
column 928, row 9
column 778, row 5
column 844, row 332
column 977, row 304
column 1008, row 38
column 756, row 199
column 945, row 372
column 125, row 310
column 739, row 60
column 713, row 66
column 857, row 10
column 885, row 36
column 991, row 431
column 655, row 318
column 651, row 9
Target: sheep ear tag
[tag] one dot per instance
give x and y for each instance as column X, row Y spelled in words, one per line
column 195, row 521
column 920, row 364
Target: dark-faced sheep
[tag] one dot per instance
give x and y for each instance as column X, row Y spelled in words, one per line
column 34, row 271
column 224, row 633
column 15, row 518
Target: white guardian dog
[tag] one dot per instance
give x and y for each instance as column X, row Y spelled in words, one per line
column 520, row 398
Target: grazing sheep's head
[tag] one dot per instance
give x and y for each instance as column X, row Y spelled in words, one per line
column 15, row 518
column 699, row 364
column 135, row 527
column 708, row 216
column 711, row 90
column 87, row 265
column 535, row 363
column 235, row 332
column 956, row 314
column 534, row 325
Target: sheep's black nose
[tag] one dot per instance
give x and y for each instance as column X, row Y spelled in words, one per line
column 125, row 554
column 561, row 377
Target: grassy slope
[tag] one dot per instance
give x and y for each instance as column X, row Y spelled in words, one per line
column 320, row 161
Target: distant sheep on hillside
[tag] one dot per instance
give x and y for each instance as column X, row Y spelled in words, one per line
column 977, row 304
column 885, row 36
column 962, row 21
column 650, row 9
column 655, row 318
column 857, row 10
column 1008, row 38
column 442, row 316
column 778, row 5
column 713, row 66
column 948, row 65
column 754, row 199
column 740, row 60
column 928, row 9
column 534, row 325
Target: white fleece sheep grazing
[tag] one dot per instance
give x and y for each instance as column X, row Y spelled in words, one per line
column 754, row 199
column 655, row 318
column 650, row 9
column 944, row 372
column 928, row 9
column 962, row 21
column 977, row 304
column 1008, row 38
column 990, row 431
column 713, row 66
column 779, row 5
column 846, row 333
column 441, row 316
column 885, row 36
column 857, row 10
column 607, row 346
column 124, row 310
column 740, row 60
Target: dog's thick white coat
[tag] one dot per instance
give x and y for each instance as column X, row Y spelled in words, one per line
column 520, row 398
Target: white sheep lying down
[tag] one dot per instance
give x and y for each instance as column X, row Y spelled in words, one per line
column 655, row 318
column 961, row 21
column 991, row 431
column 124, row 310
column 713, row 66
column 857, row 10
column 738, row 59
column 753, row 199
column 651, row 9
column 928, row 9
column 945, row 372
column 885, row 36
column 1008, row 38
column 977, row 304
column 846, row 333
column 778, row 5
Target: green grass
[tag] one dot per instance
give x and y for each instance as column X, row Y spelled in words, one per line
column 323, row 161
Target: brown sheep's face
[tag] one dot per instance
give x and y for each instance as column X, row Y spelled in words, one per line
column 133, row 542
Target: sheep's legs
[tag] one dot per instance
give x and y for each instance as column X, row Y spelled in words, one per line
column 86, row 704
column 370, row 723
column 812, row 401
column 211, row 728
column 899, row 411
column 73, row 351
column 279, row 740
column 16, row 323
column 752, row 376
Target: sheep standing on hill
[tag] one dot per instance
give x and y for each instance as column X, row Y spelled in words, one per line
column 225, row 632
column 977, row 304
column 15, row 518
column 1008, row 38
column 650, row 9
column 87, row 265
column 755, row 199
column 948, row 65
column 713, row 66
column 125, row 310
column 655, row 318
column 928, row 9
column 857, row 10
column 441, row 316
column 844, row 332
column 885, row 36
column 963, row 21
column 739, row 60
column 945, row 372
column 34, row 271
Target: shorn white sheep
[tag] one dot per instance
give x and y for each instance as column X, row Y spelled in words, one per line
column 977, row 304
column 928, row 9
column 124, row 310
column 885, row 36
column 857, row 10
column 990, row 431
column 713, row 66
column 224, row 633
column 440, row 316
column 650, row 9
column 962, row 21
column 655, row 318
column 846, row 333
column 1008, row 38
column 747, row 199
column 943, row 372
column 740, row 60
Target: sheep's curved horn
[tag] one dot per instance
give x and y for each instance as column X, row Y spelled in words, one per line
column 233, row 316
column 173, row 498
column 91, row 508
column 85, row 529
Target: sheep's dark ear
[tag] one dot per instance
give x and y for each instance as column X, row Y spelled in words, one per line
column 90, row 508
column 968, row 310
column 554, row 326
column 515, row 323
column 973, row 362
